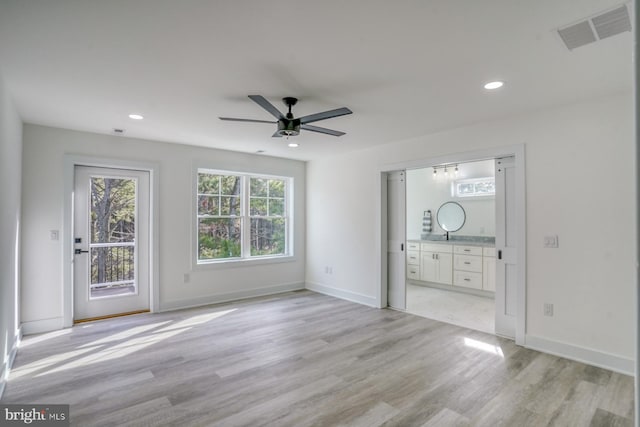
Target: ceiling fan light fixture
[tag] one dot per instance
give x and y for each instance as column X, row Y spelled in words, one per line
column 136, row 116
column 288, row 127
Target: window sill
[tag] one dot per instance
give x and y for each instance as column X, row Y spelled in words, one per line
column 242, row 263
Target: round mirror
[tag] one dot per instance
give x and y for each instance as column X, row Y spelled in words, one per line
column 451, row 216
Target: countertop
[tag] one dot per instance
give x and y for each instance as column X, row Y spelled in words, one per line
column 460, row 240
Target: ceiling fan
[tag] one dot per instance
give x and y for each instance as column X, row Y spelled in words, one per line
column 287, row 124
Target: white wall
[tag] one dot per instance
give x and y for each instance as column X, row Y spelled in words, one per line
column 426, row 193
column 44, row 153
column 10, row 184
column 580, row 186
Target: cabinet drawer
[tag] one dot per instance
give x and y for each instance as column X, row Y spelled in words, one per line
column 467, row 279
column 489, row 252
column 467, row 250
column 413, row 246
column 413, row 258
column 434, row 247
column 413, row 272
column 467, row 263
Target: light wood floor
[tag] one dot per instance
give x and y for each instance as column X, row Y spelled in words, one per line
column 304, row 359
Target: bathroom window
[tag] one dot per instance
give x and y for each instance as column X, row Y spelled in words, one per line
column 475, row 187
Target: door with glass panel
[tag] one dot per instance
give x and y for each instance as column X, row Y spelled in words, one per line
column 111, row 242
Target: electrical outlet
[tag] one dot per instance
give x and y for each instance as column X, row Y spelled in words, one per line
column 328, row 270
column 186, row 278
column 551, row 241
column 548, row 309
column 54, row 235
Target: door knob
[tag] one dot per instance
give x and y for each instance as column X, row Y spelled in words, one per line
column 80, row 251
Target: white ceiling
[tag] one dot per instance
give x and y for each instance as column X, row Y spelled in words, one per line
column 406, row 68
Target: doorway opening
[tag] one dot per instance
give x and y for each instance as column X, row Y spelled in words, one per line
column 465, row 262
column 450, row 230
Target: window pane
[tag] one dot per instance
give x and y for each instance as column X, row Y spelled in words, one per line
column 259, row 187
column 208, row 183
column 207, row 205
column 276, row 207
column 259, row 207
column 276, row 188
column 267, row 236
column 230, row 185
column 230, row 206
column 465, row 188
column 113, row 206
column 218, row 238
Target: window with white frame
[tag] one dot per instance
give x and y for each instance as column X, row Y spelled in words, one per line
column 242, row 216
column 475, row 187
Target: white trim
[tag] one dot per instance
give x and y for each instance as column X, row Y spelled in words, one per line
column 70, row 162
column 43, row 325
column 518, row 151
column 6, row 367
column 230, row 296
column 342, row 294
column 589, row 356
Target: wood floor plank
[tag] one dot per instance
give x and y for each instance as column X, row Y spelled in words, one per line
column 305, row 359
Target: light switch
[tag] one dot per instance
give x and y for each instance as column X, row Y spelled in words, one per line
column 54, row 235
column 551, row 241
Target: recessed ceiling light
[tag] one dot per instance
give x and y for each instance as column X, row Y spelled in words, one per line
column 494, row 85
column 293, row 144
column 136, row 116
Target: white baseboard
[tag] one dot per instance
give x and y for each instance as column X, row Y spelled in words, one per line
column 44, row 325
column 589, row 356
column 6, row 367
column 342, row 294
column 231, row 296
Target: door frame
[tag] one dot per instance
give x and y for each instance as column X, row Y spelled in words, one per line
column 518, row 151
column 70, row 163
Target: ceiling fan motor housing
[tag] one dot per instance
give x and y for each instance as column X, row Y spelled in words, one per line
column 288, row 127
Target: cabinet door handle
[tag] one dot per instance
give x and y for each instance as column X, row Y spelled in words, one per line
column 467, row 250
column 500, row 254
column 401, row 247
column 467, row 262
column 467, row 280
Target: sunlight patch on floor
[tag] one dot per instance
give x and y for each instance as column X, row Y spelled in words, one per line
column 489, row 348
column 132, row 344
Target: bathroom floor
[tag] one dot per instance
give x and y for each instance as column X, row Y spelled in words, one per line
column 457, row 308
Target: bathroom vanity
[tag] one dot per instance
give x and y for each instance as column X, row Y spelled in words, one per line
column 464, row 264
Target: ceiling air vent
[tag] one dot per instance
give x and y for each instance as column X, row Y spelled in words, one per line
column 597, row 27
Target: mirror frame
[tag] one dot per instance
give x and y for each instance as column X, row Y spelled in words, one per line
column 464, row 216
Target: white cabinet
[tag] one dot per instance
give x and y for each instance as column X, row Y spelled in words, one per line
column 413, row 263
column 489, row 269
column 436, row 263
column 466, row 266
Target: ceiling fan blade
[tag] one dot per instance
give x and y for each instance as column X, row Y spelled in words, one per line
column 231, row 119
column 262, row 101
column 276, row 135
column 322, row 130
column 325, row 115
